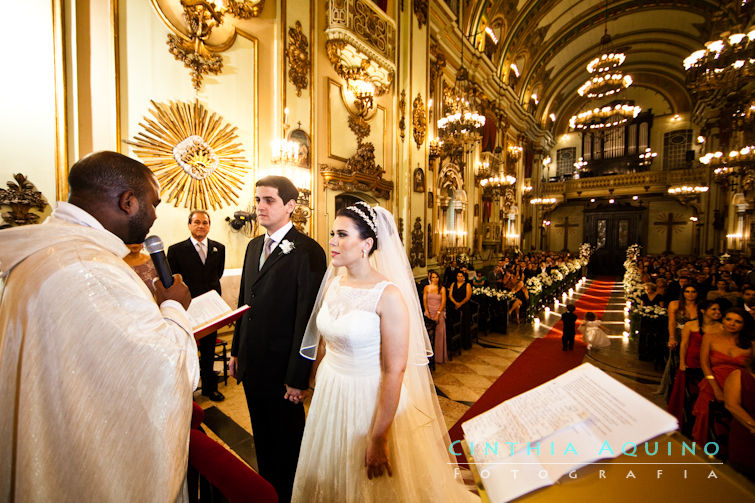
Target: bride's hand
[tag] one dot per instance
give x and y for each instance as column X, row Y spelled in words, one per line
column 376, row 458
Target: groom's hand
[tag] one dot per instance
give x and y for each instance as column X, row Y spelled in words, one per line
column 294, row 395
column 232, row 366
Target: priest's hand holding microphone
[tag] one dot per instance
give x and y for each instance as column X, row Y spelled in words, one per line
column 170, row 286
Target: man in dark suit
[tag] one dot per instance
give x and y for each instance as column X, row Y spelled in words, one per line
column 281, row 276
column 201, row 262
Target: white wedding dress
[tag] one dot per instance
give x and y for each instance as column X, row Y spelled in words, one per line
column 331, row 461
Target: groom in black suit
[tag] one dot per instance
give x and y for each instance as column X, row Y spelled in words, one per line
column 282, row 274
column 201, row 262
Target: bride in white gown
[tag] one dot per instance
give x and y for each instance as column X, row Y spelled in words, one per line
column 374, row 431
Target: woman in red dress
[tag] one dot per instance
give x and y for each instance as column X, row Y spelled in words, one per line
column 720, row 354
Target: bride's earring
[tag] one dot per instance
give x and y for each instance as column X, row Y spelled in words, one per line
column 364, row 254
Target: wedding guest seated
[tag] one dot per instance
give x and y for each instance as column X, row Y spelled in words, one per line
column 520, row 301
column 739, row 396
column 720, row 354
column 722, row 291
column 478, row 279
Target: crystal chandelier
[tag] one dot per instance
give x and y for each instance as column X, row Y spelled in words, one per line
column 722, row 64
column 461, row 122
column 596, row 118
column 601, row 86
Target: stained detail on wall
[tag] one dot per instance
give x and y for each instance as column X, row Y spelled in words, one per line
column 419, row 120
column 21, row 197
column 417, row 252
column 420, row 10
column 190, row 43
column 298, row 58
column 195, row 155
column 402, row 120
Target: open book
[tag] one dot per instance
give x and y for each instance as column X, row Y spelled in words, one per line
column 575, row 419
column 208, row 312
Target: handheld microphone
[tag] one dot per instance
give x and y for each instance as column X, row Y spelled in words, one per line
column 154, row 246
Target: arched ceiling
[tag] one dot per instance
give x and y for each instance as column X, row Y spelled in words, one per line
column 553, row 40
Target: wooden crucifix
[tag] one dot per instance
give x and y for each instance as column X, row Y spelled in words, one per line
column 669, row 223
column 566, row 226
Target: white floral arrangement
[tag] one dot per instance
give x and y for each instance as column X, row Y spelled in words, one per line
column 633, row 287
column 564, row 269
column 653, row 312
column 286, row 246
column 573, row 265
column 557, row 275
column 633, row 252
column 545, row 278
column 585, row 250
column 534, row 285
column 493, row 293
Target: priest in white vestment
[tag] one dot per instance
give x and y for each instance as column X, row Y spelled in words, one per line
column 96, row 379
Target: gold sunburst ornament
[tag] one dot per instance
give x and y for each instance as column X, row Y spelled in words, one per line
column 195, row 154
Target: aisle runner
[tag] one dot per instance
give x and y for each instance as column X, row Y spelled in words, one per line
column 540, row 362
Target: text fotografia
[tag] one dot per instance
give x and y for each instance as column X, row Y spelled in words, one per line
column 490, row 450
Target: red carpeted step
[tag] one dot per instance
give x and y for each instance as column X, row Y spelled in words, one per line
column 543, row 360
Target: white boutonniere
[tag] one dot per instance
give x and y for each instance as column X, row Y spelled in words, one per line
column 214, row 249
column 286, row 246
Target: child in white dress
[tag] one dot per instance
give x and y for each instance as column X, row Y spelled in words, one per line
column 594, row 334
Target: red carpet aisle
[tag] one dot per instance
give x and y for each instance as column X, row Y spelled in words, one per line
column 541, row 361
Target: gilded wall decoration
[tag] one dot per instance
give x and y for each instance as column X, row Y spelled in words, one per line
column 419, row 180
column 298, row 58
column 430, row 202
column 419, row 120
column 300, row 217
column 420, row 10
column 417, row 252
column 402, row 120
column 360, row 173
column 21, row 197
column 437, row 63
column 190, row 44
column 400, row 226
column 430, row 251
column 361, row 43
column 195, row 155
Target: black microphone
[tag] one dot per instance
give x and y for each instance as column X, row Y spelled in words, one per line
column 154, row 246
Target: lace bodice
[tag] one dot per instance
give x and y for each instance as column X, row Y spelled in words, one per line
column 350, row 326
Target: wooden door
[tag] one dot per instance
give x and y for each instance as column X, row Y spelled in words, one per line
column 611, row 231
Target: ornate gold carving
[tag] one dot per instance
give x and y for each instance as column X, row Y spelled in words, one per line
column 417, row 252
column 401, row 228
column 201, row 17
column 300, row 217
column 359, row 126
column 194, row 154
column 402, row 120
column 359, row 174
column 21, row 197
column 245, row 9
column 420, row 10
column 298, row 58
column 361, row 43
column 419, row 120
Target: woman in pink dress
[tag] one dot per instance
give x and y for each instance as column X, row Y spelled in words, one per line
column 720, row 354
column 434, row 297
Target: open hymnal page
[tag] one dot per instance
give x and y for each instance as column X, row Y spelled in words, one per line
column 602, row 417
column 209, row 308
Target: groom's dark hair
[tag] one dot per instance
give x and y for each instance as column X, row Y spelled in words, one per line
column 286, row 188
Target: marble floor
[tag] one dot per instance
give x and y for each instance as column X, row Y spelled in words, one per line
column 463, row 380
